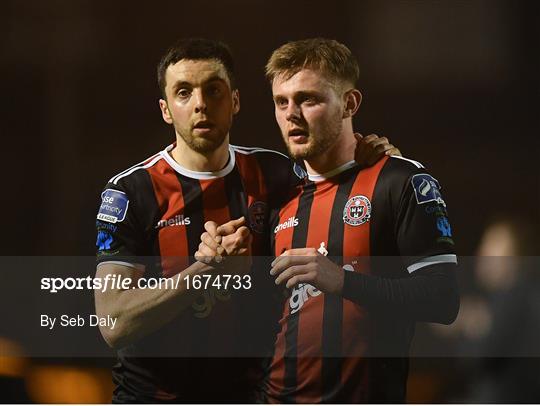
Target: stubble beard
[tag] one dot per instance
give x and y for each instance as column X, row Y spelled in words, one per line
column 202, row 145
column 320, row 143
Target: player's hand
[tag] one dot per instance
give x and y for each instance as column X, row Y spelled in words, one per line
column 236, row 237
column 230, row 239
column 371, row 148
column 210, row 249
column 307, row 265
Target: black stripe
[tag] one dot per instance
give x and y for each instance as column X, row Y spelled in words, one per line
column 299, row 240
column 148, row 214
column 247, row 302
column 333, row 304
column 151, row 207
column 384, row 204
column 303, row 213
column 236, row 195
column 193, row 208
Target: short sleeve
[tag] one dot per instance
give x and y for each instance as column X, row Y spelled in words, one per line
column 423, row 229
column 119, row 237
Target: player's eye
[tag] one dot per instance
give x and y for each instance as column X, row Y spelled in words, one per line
column 310, row 100
column 183, row 93
column 214, row 91
column 281, row 102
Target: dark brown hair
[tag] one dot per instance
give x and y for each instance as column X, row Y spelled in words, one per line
column 196, row 49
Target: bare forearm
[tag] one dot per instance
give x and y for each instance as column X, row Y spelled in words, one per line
column 141, row 311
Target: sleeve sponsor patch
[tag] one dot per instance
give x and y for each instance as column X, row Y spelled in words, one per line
column 426, row 189
column 114, row 206
column 104, row 241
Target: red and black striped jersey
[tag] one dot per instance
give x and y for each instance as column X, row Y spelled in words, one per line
column 158, row 208
column 388, row 220
column 152, row 215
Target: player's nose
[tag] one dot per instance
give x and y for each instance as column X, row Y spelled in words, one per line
column 200, row 102
column 293, row 112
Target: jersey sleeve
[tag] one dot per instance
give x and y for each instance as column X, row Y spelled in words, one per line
column 423, row 231
column 119, row 236
column 414, row 226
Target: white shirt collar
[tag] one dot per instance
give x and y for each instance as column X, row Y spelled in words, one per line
column 198, row 175
column 333, row 172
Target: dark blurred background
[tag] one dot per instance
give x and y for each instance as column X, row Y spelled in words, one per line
column 454, row 84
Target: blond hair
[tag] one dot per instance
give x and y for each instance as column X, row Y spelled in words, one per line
column 320, row 54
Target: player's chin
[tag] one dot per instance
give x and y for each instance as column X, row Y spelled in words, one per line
column 208, row 143
column 299, row 151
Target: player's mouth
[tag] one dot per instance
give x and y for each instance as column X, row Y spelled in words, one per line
column 203, row 126
column 298, row 135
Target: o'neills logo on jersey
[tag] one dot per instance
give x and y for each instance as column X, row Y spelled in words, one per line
column 291, row 222
column 178, row 220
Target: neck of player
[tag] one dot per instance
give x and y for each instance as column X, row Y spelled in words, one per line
column 208, row 161
column 341, row 152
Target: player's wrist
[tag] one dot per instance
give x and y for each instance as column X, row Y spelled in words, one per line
column 339, row 280
column 235, row 264
column 345, row 283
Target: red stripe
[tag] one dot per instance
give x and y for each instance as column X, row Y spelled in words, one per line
column 253, row 178
column 355, row 247
column 310, row 324
column 356, row 251
column 216, row 208
column 173, row 239
column 256, row 190
column 356, row 238
column 215, row 203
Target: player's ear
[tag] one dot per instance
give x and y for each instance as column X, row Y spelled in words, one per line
column 236, row 101
column 352, row 99
column 165, row 113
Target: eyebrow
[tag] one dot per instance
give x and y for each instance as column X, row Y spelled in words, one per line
column 214, row 78
column 302, row 93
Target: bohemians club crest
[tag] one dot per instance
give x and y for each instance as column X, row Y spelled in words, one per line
column 258, row 212
column 357, row 211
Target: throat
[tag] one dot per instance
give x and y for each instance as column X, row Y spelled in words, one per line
column 210, row 161
column 338, row 155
